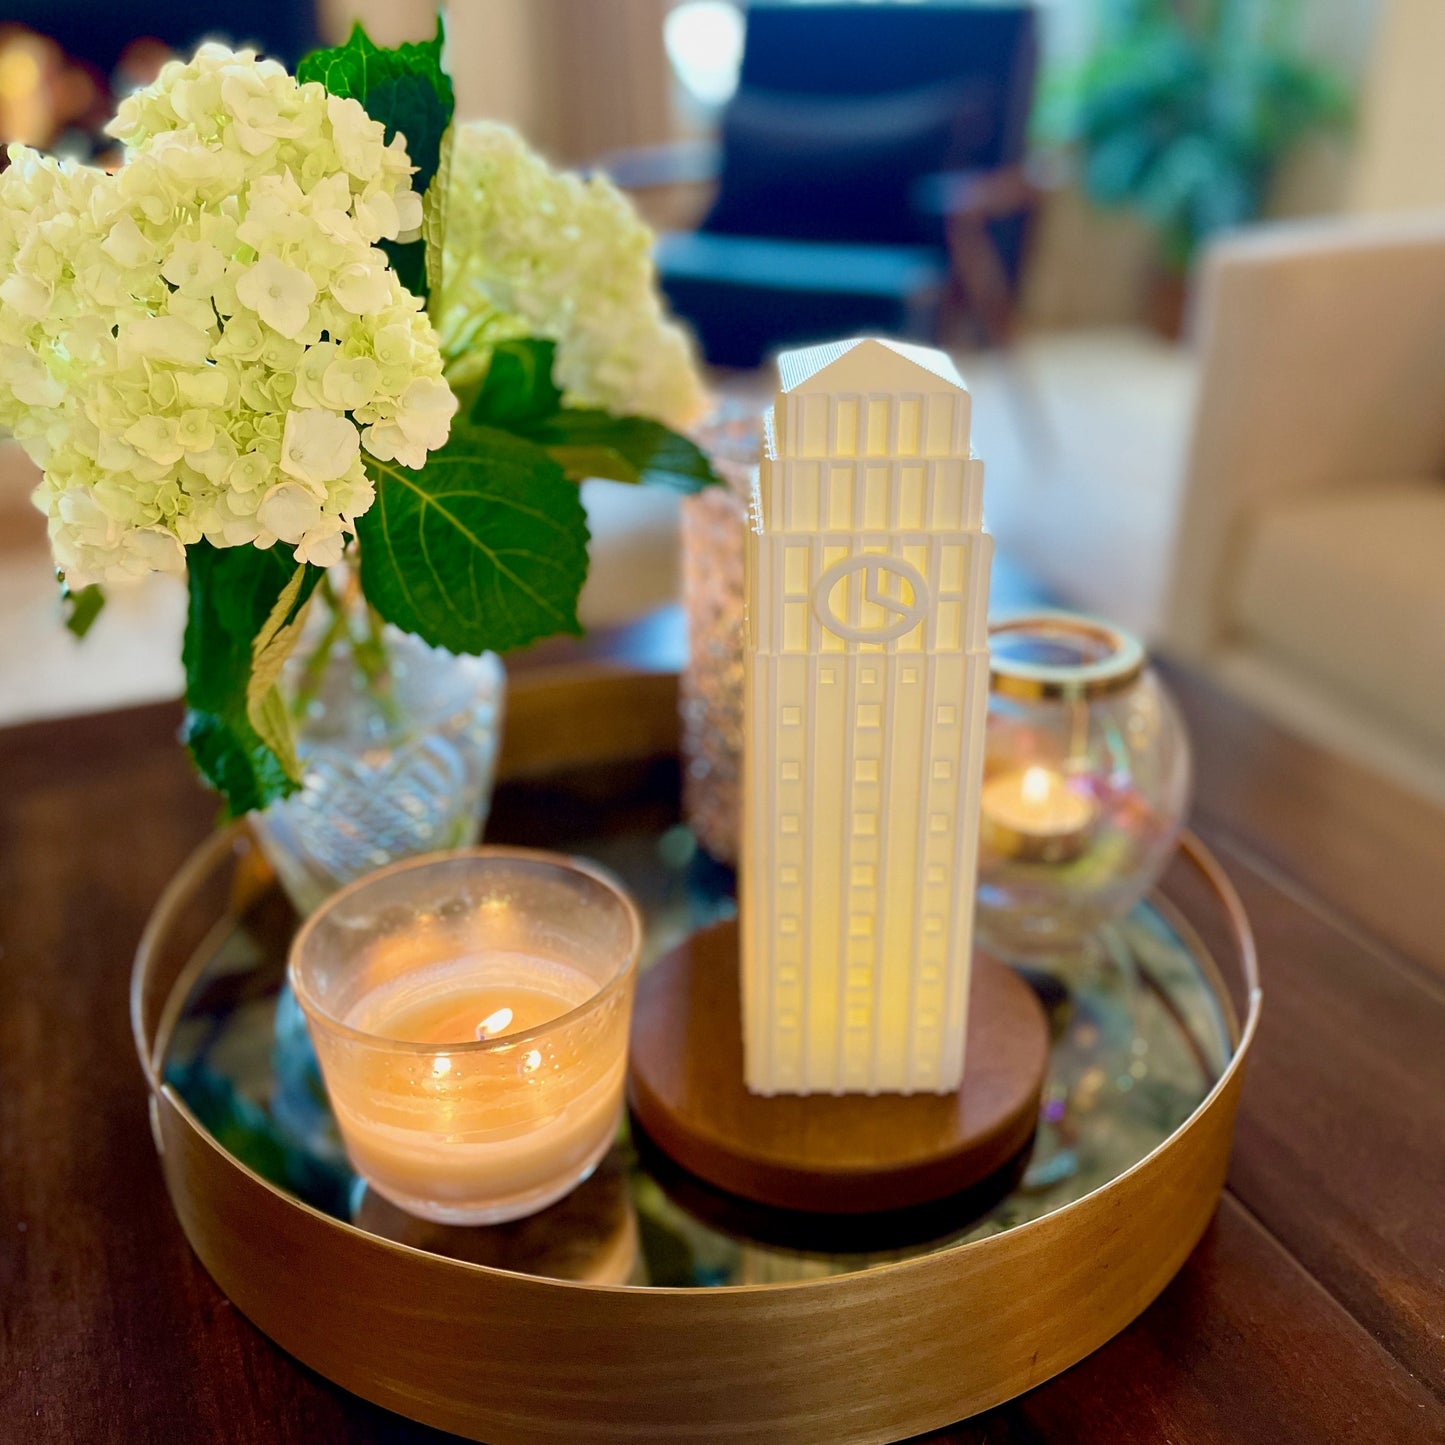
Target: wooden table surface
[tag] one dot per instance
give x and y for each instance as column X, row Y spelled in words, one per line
column 1313, row 1310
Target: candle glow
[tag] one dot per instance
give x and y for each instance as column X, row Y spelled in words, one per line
column 1036, row 785
column 1034, row 816
column 475, row 1053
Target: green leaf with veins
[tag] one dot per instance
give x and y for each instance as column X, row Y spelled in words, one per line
column 407, row 90
column 404, row 88
column 245, row 611
column 484, row 549
column 591, row 443
column 518, row 390
column 520, row 396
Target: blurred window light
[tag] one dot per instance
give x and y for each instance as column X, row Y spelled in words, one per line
column 704, row 40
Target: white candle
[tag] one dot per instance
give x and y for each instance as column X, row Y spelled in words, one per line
column 1033, row 815
column 470, row 1014
column 525, row 1121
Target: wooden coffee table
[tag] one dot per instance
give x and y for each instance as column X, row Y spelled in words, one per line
column 1314, row 1309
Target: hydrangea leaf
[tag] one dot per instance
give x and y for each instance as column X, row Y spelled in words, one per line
column 242, row 600
column 485, row 549
column 408, row 260
column 589, row 443
column 518, row 390
column 519, row 395
column 407, row 90
column 81, row 608
column 404, row 88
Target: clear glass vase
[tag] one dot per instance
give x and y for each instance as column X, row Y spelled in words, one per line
column 397, row 743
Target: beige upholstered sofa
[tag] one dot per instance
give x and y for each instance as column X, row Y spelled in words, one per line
column 1309, row 566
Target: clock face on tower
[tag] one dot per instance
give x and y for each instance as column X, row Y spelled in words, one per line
column 872, row 598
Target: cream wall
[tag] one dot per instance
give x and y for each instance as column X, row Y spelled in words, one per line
column 577, row 77
column 388, row 22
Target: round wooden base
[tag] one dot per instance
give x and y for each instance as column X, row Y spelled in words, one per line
column 833, row 1154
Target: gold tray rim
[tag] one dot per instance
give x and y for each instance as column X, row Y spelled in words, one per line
column 201, row 1176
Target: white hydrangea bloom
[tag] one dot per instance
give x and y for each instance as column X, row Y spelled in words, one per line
column 201, row 344
column 531, row 251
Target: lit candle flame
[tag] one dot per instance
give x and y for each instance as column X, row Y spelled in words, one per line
column 1037, row 784
column 494, row 1023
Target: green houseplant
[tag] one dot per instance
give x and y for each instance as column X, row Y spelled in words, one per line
column 1185, row 110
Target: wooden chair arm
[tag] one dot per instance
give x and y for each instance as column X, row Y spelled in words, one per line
column 967, row 202
column 991, row 194
column 675, row 163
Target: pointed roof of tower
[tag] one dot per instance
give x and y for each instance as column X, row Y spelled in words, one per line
column 866, row 364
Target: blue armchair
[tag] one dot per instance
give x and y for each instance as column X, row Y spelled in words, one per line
column 870, row 160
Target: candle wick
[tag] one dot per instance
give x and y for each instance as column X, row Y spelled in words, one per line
column 494, row 1023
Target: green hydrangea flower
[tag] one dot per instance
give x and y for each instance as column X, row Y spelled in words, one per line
column 203, row 344
column 531, row 251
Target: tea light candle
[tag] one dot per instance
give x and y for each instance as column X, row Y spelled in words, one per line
column 1033, row 815
column 470, row 1014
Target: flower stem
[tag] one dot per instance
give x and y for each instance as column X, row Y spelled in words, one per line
column 355, row 620
column 370, row 654
column 314, row 668
column 369, row 651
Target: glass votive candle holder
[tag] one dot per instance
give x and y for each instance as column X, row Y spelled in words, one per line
column 470, row 1013
column 1086, row 782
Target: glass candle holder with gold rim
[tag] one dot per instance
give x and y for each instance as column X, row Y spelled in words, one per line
column 1086, row 782
column 470, row 1013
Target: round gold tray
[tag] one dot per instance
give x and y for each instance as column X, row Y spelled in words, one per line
column 845, row 1341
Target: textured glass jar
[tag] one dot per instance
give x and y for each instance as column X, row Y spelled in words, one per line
column 397, row 757
column 1086, row 783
